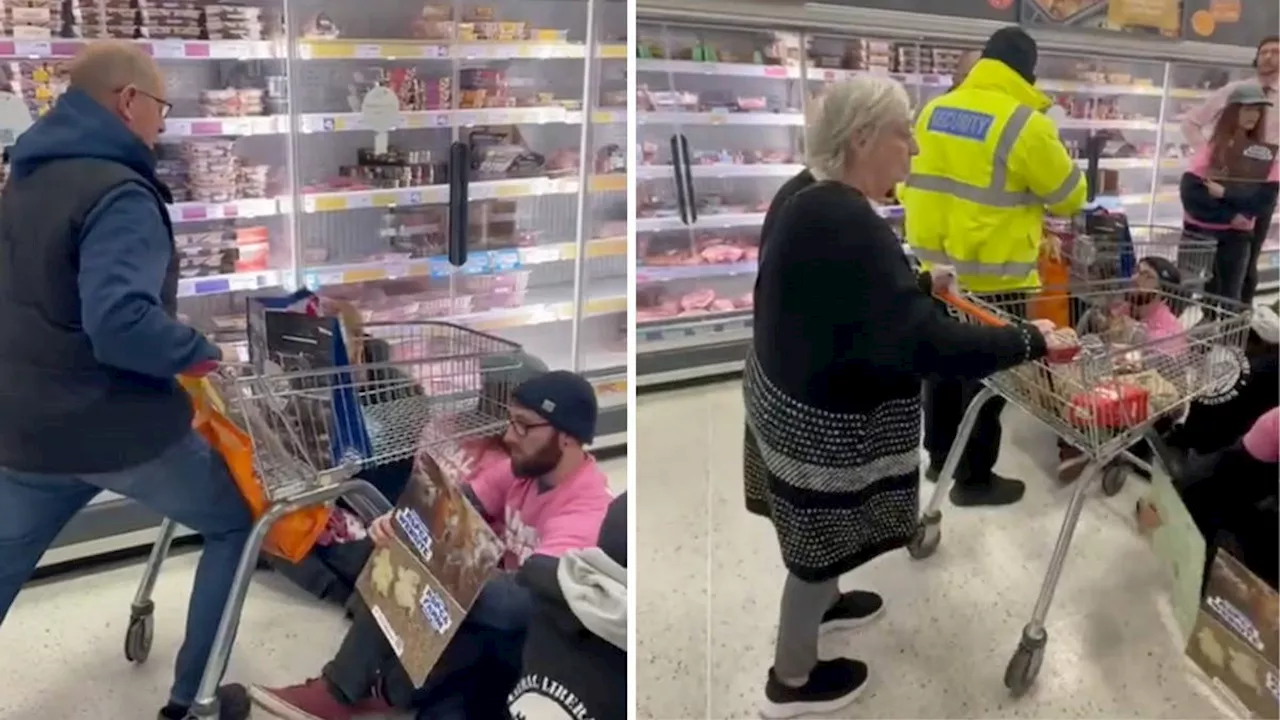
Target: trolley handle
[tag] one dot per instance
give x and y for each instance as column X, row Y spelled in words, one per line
column 1056, row 355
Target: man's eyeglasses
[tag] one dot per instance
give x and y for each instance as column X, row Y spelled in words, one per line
column 522, row 427
column 165, row 105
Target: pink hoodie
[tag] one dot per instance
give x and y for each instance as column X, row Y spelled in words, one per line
column 1263, row 439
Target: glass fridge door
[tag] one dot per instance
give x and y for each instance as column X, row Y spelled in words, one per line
column 600, row 337
column 520, row 104
column 1115, row 106
column 720, row 117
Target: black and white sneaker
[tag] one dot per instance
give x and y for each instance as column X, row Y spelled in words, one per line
column 853, row 610
column 832, row 685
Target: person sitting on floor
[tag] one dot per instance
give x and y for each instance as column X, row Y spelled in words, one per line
column 549, row 499
column 1226, row 492
column 577, row 638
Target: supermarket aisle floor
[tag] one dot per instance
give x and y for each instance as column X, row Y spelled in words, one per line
column 709, row 580
column 69, row 637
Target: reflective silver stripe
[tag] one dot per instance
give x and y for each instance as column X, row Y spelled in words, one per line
column 1004, row 146
column 995, row 194
column 975, row 267
column 991, row 197
column 1064, row 190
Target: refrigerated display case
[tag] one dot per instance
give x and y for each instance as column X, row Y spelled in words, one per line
column 722, row 92
column 447, row 159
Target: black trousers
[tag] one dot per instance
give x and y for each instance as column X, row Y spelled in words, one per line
column 1231, row 261
column 478, row 668
column 1223, row 493
column 945, row 400
column 1260, row 229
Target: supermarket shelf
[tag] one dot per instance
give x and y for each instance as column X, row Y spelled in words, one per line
column 437, row 194
column 198, row 212
column 330, row 122
column 721, row 170
column 646, row 274
column 685, row 349
column 478, row 263
column 721, row 118
column 550, row 304
column 443, row 50
column 160, row 49
column 225, row 126
column 235, row 282
column 728, row 220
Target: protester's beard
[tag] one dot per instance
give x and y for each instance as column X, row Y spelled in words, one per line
column 538, row 463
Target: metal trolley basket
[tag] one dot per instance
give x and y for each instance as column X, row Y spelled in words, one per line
column 1102, row 397
column 1096, row 257
column 441, row 384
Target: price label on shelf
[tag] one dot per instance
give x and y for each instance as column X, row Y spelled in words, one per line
column 504, row 260
column 385, row 199
column 511, row 190
column 181, row 128
column 536, row 255
column 368, row 52
column 328, row 203
column 775, row 71
column 414, row 197
column 168, row 49
column 357, row 202
column 235, row 50
column 33, row 48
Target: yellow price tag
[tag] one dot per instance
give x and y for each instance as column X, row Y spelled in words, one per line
column 330, row 204
column 613, row 52
column 510, row 191
column 364, row 275
column 607, row 247
column 385, row 200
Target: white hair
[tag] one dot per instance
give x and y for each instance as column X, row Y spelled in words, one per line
column 851, row 115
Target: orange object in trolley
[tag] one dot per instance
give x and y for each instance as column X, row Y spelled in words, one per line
column 1052, row 303
column 293, row 535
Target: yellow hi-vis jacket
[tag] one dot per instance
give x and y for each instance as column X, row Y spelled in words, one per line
column 989, row 164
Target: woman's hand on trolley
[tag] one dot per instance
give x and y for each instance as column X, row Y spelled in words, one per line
column 942, row 278
column 380, row 529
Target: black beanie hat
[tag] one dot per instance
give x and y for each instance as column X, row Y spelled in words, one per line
column 613, row 531
column 1165, row 269
column 565, row 400
column 1015, row 48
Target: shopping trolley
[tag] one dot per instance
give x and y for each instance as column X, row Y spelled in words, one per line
column 440, row 386
column 1098, row 256
column 1099, row 395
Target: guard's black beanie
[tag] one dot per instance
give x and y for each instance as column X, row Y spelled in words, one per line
column 1015, row 48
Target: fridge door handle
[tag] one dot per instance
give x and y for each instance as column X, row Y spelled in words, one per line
column 459, row 179
column 690, row 196
column 681, row 190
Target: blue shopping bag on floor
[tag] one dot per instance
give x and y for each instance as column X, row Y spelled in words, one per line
column 290, row 335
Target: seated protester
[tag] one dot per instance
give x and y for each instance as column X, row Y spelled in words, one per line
column 550, row 498
column 1224, row 494
column 1218, row 419
column 575, row 654
column 330, row 570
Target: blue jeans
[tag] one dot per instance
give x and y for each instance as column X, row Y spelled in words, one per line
column 189, row 483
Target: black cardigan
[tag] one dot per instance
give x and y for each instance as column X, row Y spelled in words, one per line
column 841, row 323
column 1241, row 198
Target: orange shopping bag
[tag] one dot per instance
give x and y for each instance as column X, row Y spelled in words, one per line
column 1052, row 303
column 293, row 535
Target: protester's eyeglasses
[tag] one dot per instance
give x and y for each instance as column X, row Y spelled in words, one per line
column 165, row 105
column 522, row 427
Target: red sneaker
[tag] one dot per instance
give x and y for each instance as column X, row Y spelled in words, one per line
column 311, row 700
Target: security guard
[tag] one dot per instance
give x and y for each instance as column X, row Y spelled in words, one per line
column 990, row 165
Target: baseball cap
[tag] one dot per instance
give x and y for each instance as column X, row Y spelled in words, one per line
column 565, row 400
column 1248, row 93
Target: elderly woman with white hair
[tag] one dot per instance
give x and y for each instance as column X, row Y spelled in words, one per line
column 844, row 333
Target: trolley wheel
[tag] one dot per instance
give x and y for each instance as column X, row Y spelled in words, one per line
column 1020, row 674
column 137, row 639
column 1113, row 478
column 925, row 540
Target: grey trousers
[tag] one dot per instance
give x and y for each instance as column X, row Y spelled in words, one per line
column 803, row 605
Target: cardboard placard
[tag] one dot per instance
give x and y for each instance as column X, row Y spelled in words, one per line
column 1230, row 22
column 421, row 584
column 1236, row 636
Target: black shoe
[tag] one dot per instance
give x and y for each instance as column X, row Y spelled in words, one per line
column 852, row 610
column 832, row 685
column 932, row 472
column 994, row 492
column 233, row 704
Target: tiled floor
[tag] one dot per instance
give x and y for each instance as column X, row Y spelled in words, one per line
column 64, row 640
column 709, row 579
